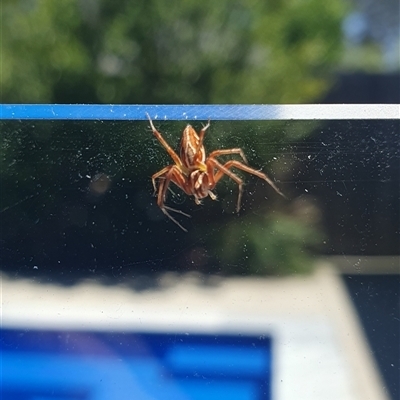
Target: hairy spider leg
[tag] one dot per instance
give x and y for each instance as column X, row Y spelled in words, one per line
column 245, row 168
column 159, row 175
column 164, row 143
column 201, row 136
column 223, row 152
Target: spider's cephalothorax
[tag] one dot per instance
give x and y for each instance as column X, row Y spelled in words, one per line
column 196, row 174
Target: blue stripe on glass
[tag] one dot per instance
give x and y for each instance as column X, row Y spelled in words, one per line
column 199, row 112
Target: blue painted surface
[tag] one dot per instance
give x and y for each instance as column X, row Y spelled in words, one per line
column 44, row 365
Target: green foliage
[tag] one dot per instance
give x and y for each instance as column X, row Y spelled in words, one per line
column 275, row 244
column 153, row 51
column 368, row 58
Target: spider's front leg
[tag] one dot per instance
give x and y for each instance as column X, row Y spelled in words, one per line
column 164, row 143
column 201, row 135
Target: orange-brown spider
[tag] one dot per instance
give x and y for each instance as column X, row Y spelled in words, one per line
column 196, row 174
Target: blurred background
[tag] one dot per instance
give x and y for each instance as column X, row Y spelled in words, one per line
column 76, row 197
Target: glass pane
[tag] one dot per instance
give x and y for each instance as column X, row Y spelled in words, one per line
column 205, row 302
column 77, row 197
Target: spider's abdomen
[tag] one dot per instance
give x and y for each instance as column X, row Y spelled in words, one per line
column 199, row 184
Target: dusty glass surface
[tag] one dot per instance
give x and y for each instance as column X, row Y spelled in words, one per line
column 77, row 197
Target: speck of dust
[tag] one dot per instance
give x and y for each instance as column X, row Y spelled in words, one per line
column 35, row 267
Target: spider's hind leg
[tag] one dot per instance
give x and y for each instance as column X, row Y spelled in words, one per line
column 168, row 175
column 165, row 210
column 177, row 211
